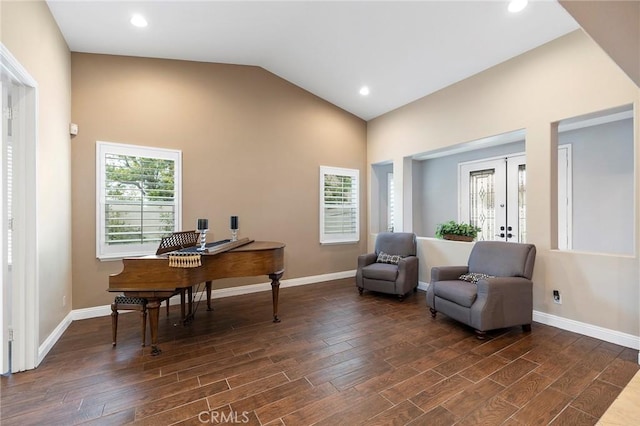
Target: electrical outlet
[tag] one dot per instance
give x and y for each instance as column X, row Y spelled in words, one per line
column 557, row 298
column 64, row 301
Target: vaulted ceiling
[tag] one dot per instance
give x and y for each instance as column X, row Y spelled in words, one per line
column 400, row 50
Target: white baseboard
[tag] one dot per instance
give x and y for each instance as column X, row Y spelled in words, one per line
column 608, row 335
column 100, row 311
column 55, row 335
column 612, row 336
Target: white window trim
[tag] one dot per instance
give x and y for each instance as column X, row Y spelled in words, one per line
column 104, row 252
column 339, row 238
column 390, row 202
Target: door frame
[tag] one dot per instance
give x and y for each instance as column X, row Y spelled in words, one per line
column 565, row 204
column 24, row 295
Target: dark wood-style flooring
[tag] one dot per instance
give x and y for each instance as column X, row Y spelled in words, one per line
column 336, row 358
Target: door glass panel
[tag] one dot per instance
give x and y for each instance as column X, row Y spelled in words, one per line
column 522, row 203
column 482, row 202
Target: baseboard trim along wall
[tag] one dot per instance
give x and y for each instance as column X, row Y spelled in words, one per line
column 611, row 336
column 101, row 311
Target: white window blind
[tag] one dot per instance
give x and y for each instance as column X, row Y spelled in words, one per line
column 139, row 198
column 339, row 205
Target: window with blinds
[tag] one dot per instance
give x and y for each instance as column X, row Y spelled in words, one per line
column 139, row 199
column 339, row 205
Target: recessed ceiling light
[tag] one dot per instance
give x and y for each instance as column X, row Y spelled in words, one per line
column 516, row 6
column 364, row 90
column 138, row 21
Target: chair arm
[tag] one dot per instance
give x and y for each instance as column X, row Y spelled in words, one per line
column 447, row 273
column 366, row 259
column 407, row 274
column 502, row 302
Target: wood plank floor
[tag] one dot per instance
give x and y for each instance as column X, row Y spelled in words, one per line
column 336, row 358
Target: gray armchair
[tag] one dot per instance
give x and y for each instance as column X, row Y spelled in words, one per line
column 392, row 268
column 502, row 295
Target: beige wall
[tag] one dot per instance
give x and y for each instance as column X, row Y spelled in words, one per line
column 252, row 146
column 620, row 40
column 568, row 77
column 33, row 38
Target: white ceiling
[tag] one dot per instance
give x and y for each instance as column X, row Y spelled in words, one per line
column 401, row 50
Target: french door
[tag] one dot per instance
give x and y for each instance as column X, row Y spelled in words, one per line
column 493, row 197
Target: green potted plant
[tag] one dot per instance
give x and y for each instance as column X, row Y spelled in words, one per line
column 453, row 230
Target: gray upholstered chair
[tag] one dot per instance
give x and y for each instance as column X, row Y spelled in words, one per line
column 502, row 295
column 392, row 268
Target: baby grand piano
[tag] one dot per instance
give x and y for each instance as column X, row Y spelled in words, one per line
column 155, row 279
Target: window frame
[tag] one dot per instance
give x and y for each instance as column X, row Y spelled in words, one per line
column 339, row 238
column 104, row 251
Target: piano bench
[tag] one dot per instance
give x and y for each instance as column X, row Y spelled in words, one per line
column 128, row 304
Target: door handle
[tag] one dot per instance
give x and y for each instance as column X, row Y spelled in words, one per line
column 501, row 235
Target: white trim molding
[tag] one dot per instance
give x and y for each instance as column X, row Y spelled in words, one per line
column 601, row 333
column 100, row 311
column 105, row 310
column 25, row 296
column 55, row 335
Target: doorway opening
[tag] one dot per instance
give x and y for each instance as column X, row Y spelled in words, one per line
column 18, row 230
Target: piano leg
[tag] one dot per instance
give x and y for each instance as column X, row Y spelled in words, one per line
column 275, row 289
column 182, row 305
column 190, row 293
column 153, row 307
column 208, row 287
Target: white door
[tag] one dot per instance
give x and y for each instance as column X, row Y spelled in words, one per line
column 6, row 222
column 18, row 224
column 493, row 197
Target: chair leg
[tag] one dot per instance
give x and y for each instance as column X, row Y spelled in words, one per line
column 526, row 328
column 130, row 304
column 114, row 324
column 481, row 335
column 360, row 290
column 401, row 297
column 433, row 312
